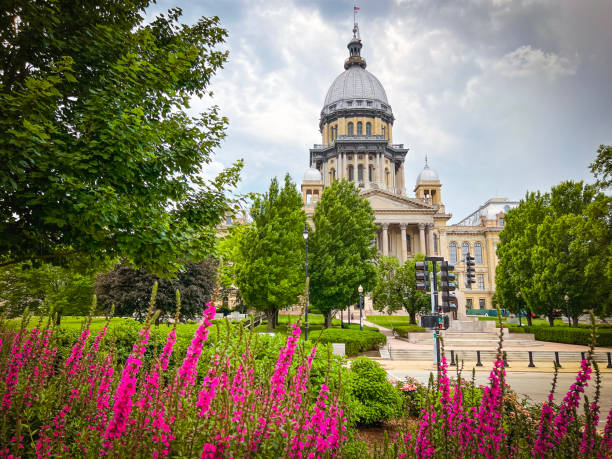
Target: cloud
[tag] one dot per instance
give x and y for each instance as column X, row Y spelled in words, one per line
column 526, row 61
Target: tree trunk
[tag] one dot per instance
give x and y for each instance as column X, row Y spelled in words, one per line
column 575, row 321
column 551, row 319
column 58, row 318
column 529, row 318
column 328, row 319
column 276, row 318
column 270, row 317
column 412, row 318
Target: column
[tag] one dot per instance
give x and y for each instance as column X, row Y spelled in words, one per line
column 385, row 236
column 404, row 245
column 422, row 238
column 378, row 169
column 430, row 246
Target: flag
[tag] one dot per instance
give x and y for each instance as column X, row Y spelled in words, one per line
column 355, row 8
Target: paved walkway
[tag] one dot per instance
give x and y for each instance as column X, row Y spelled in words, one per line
column 401, row 344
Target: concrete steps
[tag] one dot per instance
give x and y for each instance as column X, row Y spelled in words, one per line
column 475, row 339
column 489, row 355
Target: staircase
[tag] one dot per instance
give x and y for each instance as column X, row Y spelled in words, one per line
column 425, row 355
column 481, row 339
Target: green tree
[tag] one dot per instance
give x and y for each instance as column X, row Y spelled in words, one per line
column 228, row 252
column 514, row 275
column 602, row 166
column 342, row 249
column 99, row 154
column 568, row 267
column 395, row 287
column 270, row 263
column 65, row 290
column 129, row 290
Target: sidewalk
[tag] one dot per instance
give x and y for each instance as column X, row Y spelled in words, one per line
column 402, row 344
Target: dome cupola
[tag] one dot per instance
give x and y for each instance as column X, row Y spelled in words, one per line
column 427, row 174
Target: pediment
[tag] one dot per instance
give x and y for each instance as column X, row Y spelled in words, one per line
column 383, row 200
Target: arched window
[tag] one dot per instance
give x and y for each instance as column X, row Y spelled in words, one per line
column 465, row 249
column 371, row 173
column 351, row 173
column 332, row 175
column 452, row 252
column 368, row 128
column 387, row 174
column 478, row 253
column 359, row 128
column 360, row 173
column 435, row 241
column 350, row 129
column 408, row 244
column 384, row 133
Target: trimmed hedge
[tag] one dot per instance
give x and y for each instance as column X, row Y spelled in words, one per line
column 356, row 341
column 403, row 330
column 569, row 335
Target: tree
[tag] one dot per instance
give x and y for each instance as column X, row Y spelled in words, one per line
column 65, row 290
column 395, row 287
column 602, row 166
column 99, row 154
column 342, row 249
column 228, row 252
column 568, row 271
column 514, row 275
column 129, row 290
column 270, row 266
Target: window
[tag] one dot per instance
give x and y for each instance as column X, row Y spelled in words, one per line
column 349, row 103
column 465, row 249
column 435, row 241
column 501, row 221
column 350, row 129
column 384, row 132
column 452, row 255
column 359, row 102
column 482, row 303
column 368, row 128
column 408, row 244
column 506, row 208
column 369, row 103
column 228, row 220
column 360, row 173
column 332, row 107
column 480, row 281
column 359, row 128
column 225, row 301
column 383, row 106
column 469, row 303
column 478, row 253
column 371, row 174
column 351, row 173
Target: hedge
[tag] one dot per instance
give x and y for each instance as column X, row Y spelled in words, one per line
column 569, row 335
column 403, row 330
column 356, row 341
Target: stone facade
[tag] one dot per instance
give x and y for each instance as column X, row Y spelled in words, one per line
column 356, row 132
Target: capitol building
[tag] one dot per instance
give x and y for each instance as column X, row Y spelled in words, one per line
column 357, row 145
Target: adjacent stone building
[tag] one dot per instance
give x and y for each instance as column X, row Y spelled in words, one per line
column 356, row 127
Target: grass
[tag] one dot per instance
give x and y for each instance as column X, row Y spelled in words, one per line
column 315, row 322
column 401, row 324
column 535, row 321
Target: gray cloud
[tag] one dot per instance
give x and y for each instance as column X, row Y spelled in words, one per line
column 513, row 94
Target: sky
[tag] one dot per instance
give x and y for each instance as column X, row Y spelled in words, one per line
column 503, row 96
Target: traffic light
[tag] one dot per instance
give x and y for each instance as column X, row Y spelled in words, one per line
column 429, row 321
column 470, row 271
column 443, row 322
column 449, row 300
column 421, row 275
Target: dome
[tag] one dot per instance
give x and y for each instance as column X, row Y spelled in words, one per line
column 355, row 83
column 427, row 175
column 312, row 175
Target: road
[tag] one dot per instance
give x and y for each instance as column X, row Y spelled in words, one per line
column 536, row 385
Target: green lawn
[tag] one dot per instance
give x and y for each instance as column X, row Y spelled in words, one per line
column 315, row 322
column 401, row 324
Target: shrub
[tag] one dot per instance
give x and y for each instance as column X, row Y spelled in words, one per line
column 376, row 399
column 356, row 341
column 570, row 335
column 403, row 330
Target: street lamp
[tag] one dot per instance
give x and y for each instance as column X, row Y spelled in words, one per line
column 360, row 290
column 518, row 297
column 566, row 298
column 305, row 234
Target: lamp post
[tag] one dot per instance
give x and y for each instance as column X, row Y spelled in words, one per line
column 518, row 297
column 566, row 298
column 305, row 234
column 360, row 290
